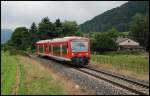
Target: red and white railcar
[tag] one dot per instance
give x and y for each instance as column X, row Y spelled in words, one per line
column 73, row 49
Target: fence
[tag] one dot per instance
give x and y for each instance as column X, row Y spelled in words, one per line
column 136, row 63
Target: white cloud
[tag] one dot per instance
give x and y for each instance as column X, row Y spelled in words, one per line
column 23, row 13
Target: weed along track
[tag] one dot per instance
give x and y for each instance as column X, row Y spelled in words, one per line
column 144, row 84
column 127, row 86
column 133, row 86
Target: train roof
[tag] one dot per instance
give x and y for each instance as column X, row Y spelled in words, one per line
column 61, row 39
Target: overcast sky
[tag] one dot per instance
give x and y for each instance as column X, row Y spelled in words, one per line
column 23, row 13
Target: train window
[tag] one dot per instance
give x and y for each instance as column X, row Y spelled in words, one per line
column 40, row 48
column 64, row 50
column 56, row 50
column 79, row 46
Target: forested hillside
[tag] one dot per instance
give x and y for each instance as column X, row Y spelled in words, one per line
column 119, row 17
column 110, row 24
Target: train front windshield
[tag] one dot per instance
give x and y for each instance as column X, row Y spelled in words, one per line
column 79, row 46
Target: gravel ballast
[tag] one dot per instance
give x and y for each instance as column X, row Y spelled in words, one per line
column 100, row 87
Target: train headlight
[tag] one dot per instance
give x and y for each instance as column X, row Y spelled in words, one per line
column 72, row 54
column 86, row 54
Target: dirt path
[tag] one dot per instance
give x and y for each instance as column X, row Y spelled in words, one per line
column 15, row 88
column 69, row 85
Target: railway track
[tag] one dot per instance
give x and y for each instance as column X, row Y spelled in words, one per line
column 132, row 86
column 136, row 87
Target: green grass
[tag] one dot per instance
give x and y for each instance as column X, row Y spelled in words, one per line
column 32, row 79
column 21, row 89
column 135, row 63
column 35, row 81
column 44, row 86
column 8, row 72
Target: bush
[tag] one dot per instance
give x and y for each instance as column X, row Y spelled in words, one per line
column 12, row 50
column 103, row 43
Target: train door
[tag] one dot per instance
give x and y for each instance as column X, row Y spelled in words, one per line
column 46, row 49
column 64, row 50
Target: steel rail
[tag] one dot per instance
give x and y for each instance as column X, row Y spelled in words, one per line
column 113, row 82
column 120, row 77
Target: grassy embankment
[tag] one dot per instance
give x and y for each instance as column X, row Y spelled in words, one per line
column 8, row 72
column 134, row 65
column 32, row 78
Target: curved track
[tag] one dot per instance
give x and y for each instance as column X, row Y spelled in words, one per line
column 133, row 86
column 122, row 82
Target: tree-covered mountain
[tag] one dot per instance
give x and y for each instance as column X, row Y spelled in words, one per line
column 5, row 35
column 119, row 17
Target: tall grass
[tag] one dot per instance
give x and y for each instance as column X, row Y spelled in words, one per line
column 33, row 80
column 135, row 63
column 8, row 72
column 22, row 78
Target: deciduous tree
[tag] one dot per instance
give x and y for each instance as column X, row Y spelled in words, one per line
column 140, row 29
column 20, row 38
